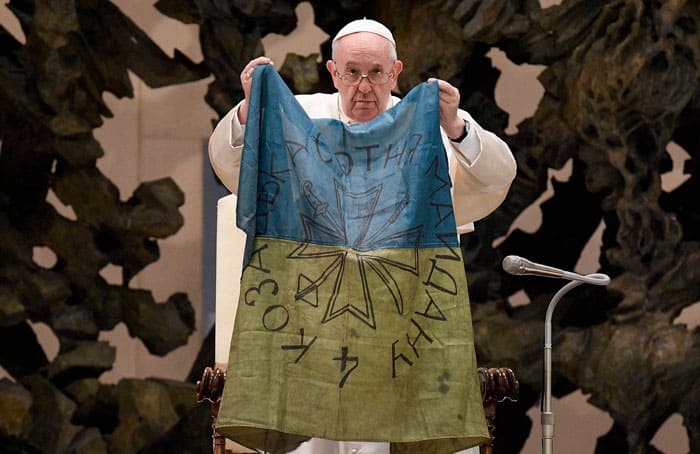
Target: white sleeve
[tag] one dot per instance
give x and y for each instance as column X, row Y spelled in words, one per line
column 226, row 148
column 482, row 169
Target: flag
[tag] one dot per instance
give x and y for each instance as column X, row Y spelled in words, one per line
column 353, row 318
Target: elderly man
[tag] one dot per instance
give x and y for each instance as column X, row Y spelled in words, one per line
column 365, row 69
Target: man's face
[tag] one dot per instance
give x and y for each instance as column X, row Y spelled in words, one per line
column 363, row 52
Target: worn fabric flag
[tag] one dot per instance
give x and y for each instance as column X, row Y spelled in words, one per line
column 353, row 320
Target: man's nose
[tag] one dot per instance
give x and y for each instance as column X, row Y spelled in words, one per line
column 365, row 86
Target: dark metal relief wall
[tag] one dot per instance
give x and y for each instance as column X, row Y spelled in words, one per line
column 621, row 84
column 51, row 91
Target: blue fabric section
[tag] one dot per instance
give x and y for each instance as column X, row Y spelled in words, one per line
column 375, row 185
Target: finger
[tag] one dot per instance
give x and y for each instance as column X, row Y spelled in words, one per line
column 449, row 94
column 247, row 72
column 443, row 88
column 447, row 88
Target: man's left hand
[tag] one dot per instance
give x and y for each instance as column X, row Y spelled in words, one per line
column 449, row 103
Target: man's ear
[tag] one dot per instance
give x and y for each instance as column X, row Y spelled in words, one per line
column 398, row 67
column 330, row 66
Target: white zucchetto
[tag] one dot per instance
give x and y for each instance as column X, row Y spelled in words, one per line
column 366, row 25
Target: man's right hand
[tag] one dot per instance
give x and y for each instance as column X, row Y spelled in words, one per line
column 247, row 82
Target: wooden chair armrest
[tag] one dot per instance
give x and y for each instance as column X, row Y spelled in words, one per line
column 497, row 385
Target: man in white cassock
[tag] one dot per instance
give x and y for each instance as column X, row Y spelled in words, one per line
column 365, row 69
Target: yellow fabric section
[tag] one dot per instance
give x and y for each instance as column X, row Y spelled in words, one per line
column 375, row 346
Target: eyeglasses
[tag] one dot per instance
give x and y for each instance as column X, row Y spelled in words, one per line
column 354, row 77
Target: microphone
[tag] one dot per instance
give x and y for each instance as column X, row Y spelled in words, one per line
column 513, row 264
column 517, row 265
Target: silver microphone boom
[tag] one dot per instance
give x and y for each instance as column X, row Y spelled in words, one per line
column 518, row 265
column 513, row 264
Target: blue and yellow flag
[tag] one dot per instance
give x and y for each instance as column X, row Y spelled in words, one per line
column 353, row 319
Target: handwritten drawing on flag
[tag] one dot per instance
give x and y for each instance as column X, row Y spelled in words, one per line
column 353, row 319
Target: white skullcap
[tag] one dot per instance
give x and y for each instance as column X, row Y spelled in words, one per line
column 366, row 25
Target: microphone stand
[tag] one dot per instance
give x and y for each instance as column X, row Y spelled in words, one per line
column 547, row 416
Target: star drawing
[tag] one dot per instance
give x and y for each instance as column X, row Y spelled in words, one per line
column 356, row 229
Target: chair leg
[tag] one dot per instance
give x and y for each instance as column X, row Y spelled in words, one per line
column 485, row 449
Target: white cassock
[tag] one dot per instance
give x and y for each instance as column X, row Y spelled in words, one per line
column 319, row 446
